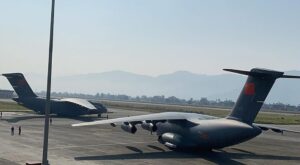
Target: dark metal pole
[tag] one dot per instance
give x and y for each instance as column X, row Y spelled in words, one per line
column 47, row 109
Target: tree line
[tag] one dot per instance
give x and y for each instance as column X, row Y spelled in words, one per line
column 169, row 100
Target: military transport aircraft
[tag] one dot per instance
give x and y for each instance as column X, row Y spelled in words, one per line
column 178, row 130
column 66, row 107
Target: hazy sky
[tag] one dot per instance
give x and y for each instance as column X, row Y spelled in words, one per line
column 150, row 37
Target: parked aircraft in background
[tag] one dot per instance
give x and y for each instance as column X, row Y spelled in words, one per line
column 67, row 107
column 178, row 130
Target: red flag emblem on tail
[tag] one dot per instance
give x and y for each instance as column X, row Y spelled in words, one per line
column 249, row 89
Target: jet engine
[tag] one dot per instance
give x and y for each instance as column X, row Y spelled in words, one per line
column 149, row 126
column 127, row 127
column 170, row 140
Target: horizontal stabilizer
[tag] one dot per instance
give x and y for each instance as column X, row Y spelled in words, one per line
column 275, row 129
column 259, row 72
column 237, row 71
column 289, row 76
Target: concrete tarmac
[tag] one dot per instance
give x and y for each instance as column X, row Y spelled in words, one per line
column 103, row 144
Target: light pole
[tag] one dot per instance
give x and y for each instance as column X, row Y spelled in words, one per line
column 47, row 109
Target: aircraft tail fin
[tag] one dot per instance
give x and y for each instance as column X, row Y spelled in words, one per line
column 20, row 85
column 254, row 92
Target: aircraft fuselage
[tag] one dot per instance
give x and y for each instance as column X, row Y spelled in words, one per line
column 205, row 134
column 57, row 107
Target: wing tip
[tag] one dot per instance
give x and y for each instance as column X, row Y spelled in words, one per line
column 75, row 125
column 80, row 124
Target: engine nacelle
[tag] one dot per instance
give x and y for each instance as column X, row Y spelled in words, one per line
column 170, row 145
column 149, row 126
column 127, row 127
column 171, row 138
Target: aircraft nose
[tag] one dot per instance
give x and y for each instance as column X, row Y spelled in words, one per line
column 105, row 109
column 93, row 111
column 101, row 109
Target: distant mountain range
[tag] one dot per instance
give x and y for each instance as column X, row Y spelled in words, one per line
column 181, row 84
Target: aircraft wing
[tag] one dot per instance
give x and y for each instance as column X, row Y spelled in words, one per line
column 275, row 129
column 150, row 117
column 81, row 102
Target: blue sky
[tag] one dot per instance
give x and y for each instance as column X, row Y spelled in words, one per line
column 150, row 37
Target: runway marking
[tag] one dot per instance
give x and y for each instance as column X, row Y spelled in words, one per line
column 95, row 145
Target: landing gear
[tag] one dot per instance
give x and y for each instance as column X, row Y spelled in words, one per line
column 99, row 115
column 159, row 139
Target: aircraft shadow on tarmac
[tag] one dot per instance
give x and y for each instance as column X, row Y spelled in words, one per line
column 28, row 117
column 21, row 118
column 215, row 156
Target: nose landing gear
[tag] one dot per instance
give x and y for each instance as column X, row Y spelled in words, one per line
column 99, row 116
